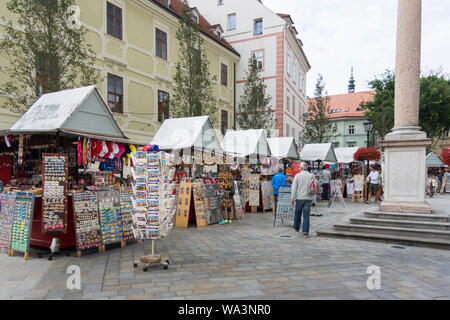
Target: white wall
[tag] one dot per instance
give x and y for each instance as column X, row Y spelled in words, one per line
column 243, row 40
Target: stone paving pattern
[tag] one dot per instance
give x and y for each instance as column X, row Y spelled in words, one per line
column 248, row 259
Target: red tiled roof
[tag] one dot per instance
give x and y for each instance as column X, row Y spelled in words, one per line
column 348, row 101
column 176, row 7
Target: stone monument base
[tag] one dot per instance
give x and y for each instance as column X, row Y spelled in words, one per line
column 406, row 207
column 405, row 171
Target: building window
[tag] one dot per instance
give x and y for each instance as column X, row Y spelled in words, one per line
column 161, row 44
column 224, row 121
column 294, row 72
column 293, row 105
column 258, row 96
column 347, row 109
column 288, row 101
column 115, row 93
column 257, row 27
column 289, row 64
column 114, row 21
column 197, row 61
column 163, row 106
column 258, row 59
column 287, row 131
column 224, row 74
column 232, row 21
column 351, row 129
column 219, row 2
column 300, row 110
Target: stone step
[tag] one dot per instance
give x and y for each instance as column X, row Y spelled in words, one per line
column 407, row 216
column 387, row 238
column 401, row 223
column 396, row 231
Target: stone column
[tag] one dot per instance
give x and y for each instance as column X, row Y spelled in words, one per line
column 405, row 146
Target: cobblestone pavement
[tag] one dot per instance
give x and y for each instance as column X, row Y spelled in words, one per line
column 248, row 259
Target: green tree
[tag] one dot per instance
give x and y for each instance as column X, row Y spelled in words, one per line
column 254, row 111
column 434, row 107
column 46, row 51
column 317, row 125
column 193, row 91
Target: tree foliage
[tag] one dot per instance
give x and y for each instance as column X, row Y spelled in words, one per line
column 45, row 51
column 254, row 111
column 434, row 107
column 317, row 125
column 193, row 91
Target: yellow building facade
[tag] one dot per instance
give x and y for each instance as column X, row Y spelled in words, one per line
column 123, row 34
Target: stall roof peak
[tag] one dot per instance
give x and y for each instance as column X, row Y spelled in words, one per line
column 283, row 147
column 246, row 143
column 181, row 133
column 78, row 110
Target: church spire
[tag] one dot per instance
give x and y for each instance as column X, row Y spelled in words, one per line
column 351, row 84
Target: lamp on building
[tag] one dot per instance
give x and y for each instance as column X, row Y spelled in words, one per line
column 368, row 126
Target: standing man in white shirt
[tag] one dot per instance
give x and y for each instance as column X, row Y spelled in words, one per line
column 302, row 197
column 326, row 183
column 372, row 180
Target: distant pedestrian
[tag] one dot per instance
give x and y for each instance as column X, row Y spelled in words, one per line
column 277, row 181
column 303, row 189
column 374, row 186
column 326, row 183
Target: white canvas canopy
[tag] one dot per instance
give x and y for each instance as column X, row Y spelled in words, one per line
column 246, row 143
column 80, row 110
column 182, row 133
column 345, row 155
column 433, row 161
column 283, row 147
column 318, row 152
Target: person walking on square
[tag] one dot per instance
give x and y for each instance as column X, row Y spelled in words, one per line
column 374, row 186
column 326, row 183
column 277, row 181
column 303, row 189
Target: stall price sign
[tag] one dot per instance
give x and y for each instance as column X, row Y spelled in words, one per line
column 23, row 215
column 7, row 203
column 54, row 198
column 87, row 225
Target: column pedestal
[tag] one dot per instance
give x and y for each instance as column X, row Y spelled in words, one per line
column 405, row 171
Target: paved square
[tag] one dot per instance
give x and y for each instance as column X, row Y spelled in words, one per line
column 248, row 259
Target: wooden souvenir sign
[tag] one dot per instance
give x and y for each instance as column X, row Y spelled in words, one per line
column 184, row 205
column 199, row 204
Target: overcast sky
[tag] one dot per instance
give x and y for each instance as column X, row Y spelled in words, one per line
column 338, row 34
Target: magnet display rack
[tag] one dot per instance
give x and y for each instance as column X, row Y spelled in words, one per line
column 55, row 174
column 21, row 229
column 110, row 220
column 7, row 203
column 87, row 225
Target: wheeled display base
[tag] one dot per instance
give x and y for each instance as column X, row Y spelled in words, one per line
column 151, row 260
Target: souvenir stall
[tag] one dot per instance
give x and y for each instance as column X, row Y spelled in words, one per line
column 253, row 151
column 435, row 167
column 198, row 157
column 346, row 168
column 285, row 150
column 67, row 155
column 316, row 155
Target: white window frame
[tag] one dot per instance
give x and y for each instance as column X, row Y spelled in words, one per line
column 228, row 21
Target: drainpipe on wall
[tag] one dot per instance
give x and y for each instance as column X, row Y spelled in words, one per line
column 234, row 98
